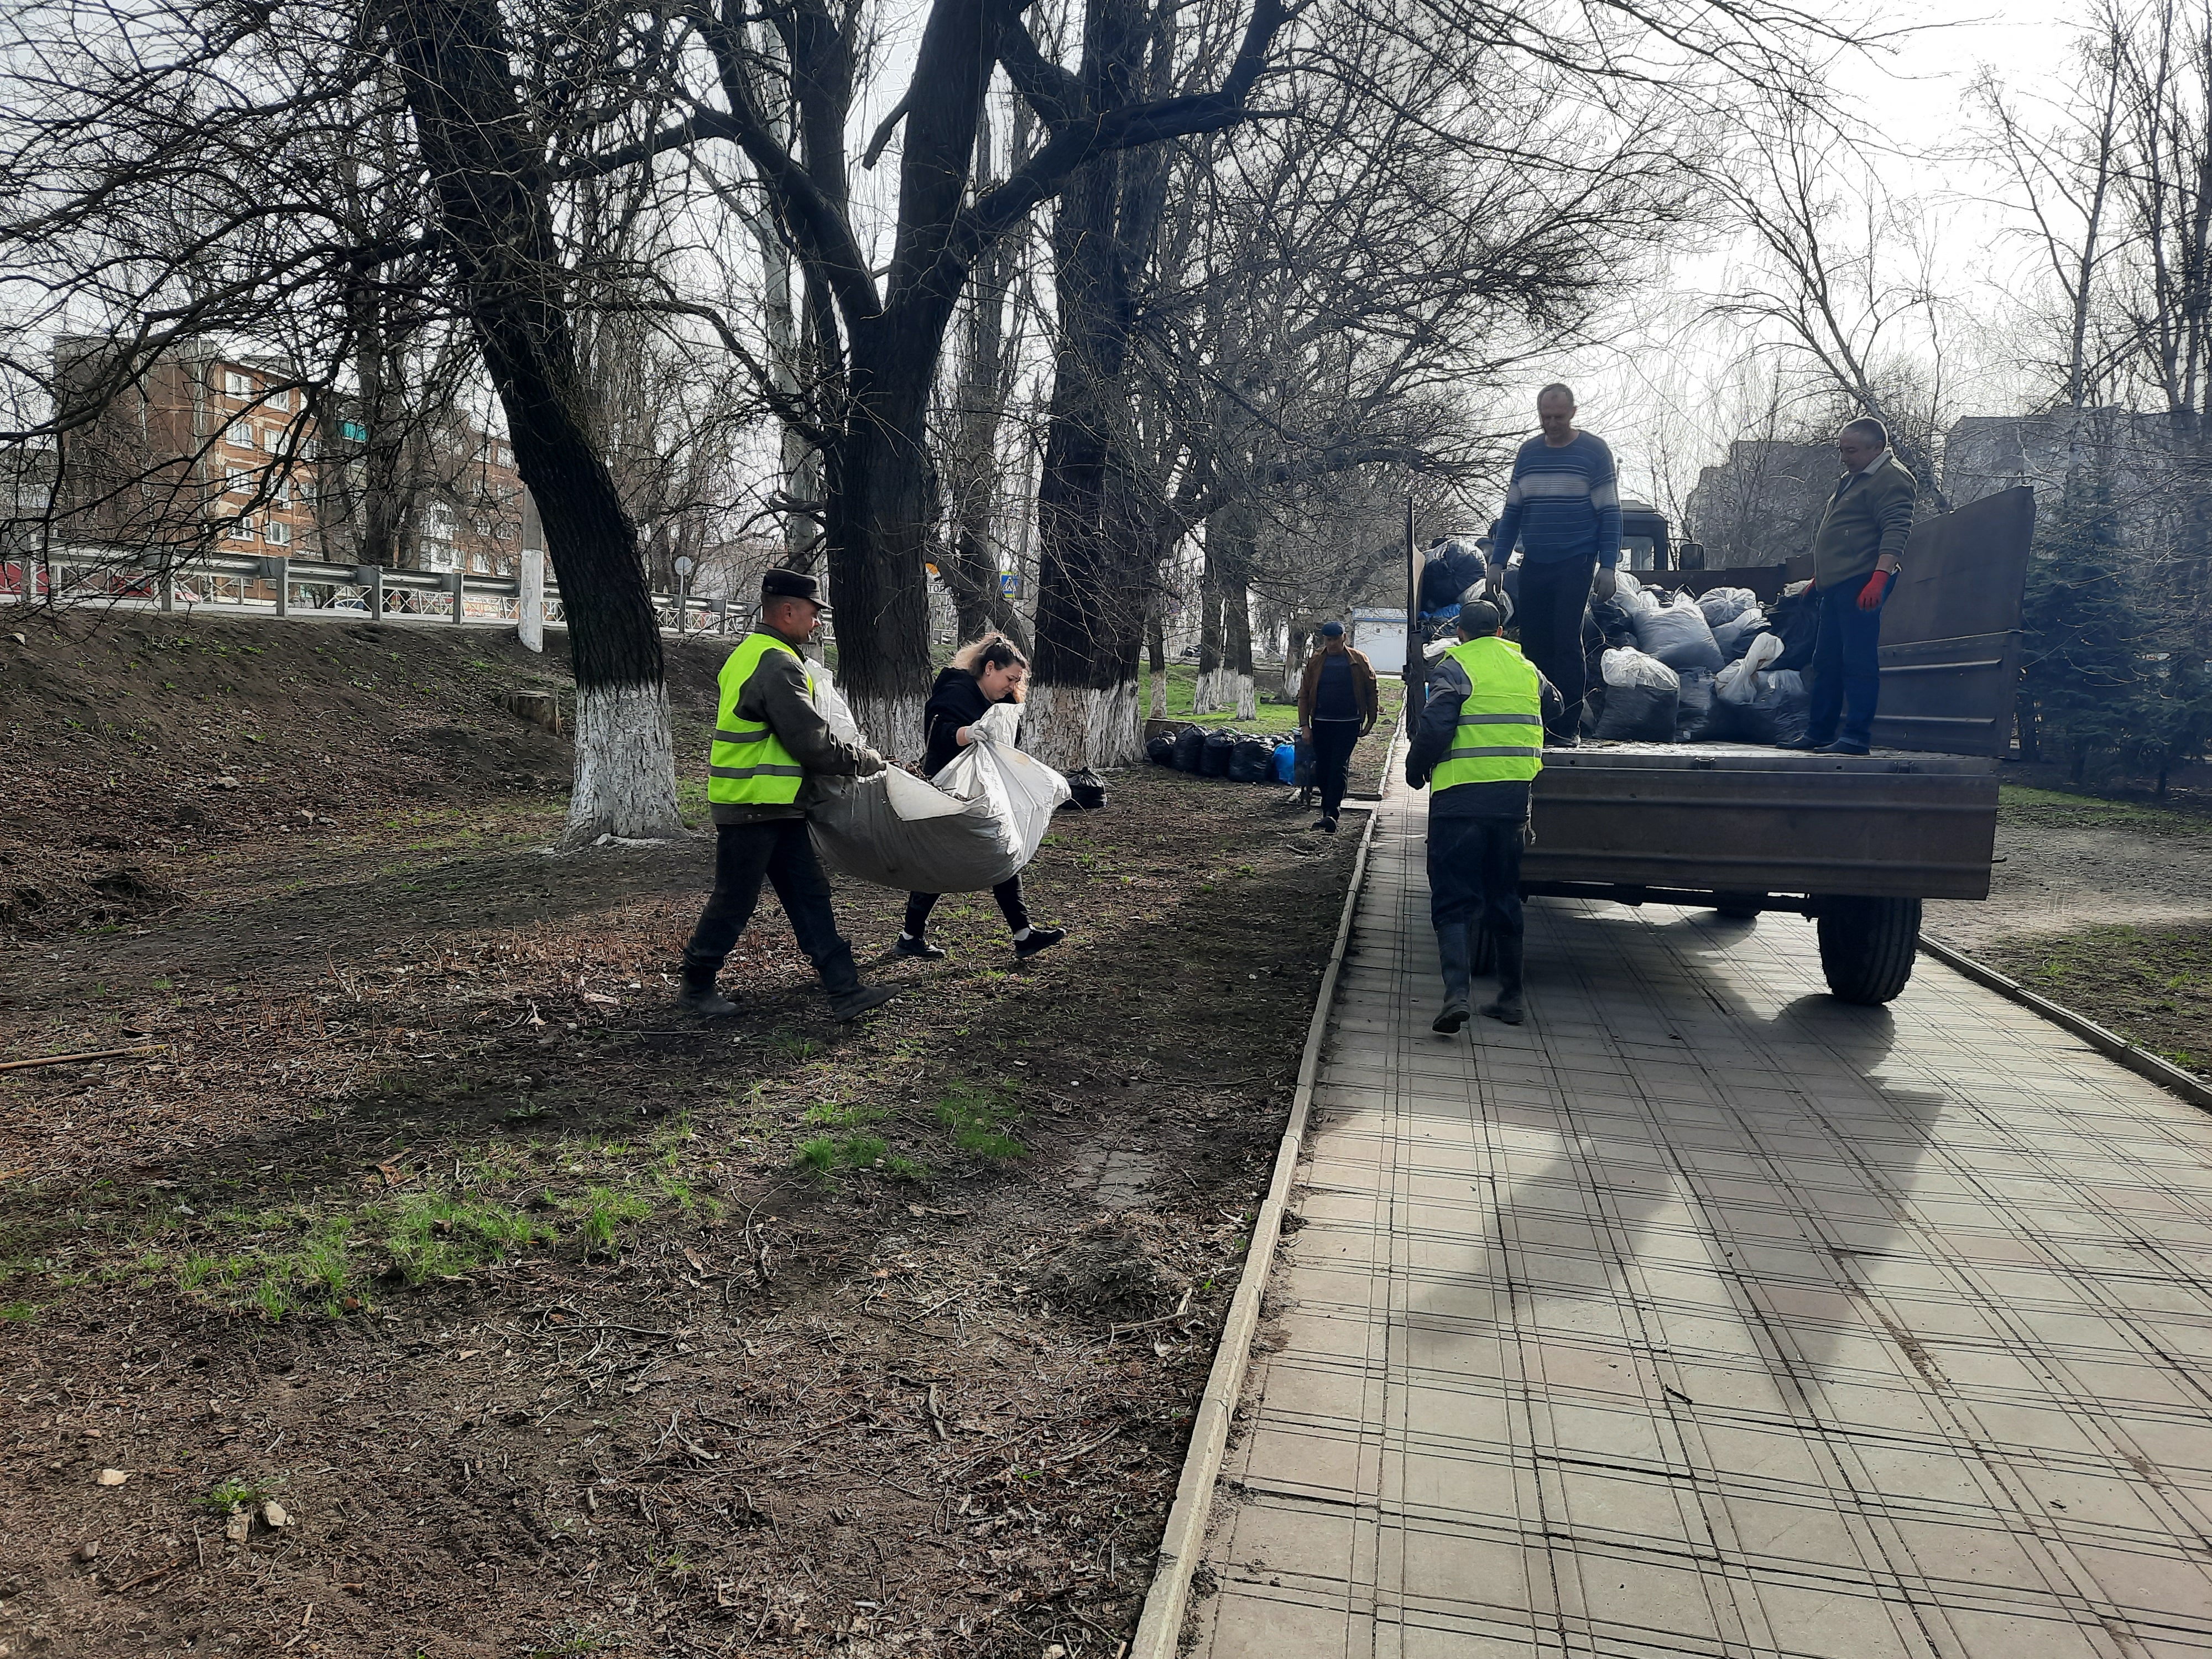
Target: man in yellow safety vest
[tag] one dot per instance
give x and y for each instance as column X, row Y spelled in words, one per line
column 1478, row 747
column 768, row 737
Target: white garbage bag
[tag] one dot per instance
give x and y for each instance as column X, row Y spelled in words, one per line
column 1725, row 604
column 830, row 703
column 972, row 826
column 1738, row 681
column 1625, row 666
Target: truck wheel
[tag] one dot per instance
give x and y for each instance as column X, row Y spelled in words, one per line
column 1738, row 907
column 1867, row 946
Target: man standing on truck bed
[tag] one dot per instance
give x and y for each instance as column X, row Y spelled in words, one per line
column 1562, row 507
column 1478, row 748
column 1855, row 562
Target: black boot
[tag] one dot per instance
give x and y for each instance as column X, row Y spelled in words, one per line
column 1453, row 948
column 1507, row 1007
column 841, row 979
column 699, row 995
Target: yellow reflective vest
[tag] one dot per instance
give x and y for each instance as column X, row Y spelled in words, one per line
column 748, row 765
column 1500, row 737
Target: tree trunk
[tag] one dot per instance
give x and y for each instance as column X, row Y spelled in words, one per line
column 1297, row 640
column 1237, row 689
column 881, row 494
column 489, row 170
column 1205, row 697
column 1096, row 573
column 1156, row 646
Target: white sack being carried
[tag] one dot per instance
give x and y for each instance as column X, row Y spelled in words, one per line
column 1623, row 667
column 1738, row 681
column 974, row 825
column 1725, row 604
column 1677, row 635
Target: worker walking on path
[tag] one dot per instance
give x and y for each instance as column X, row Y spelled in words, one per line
column 768, row 739
column 1562, row 507
column 1338, row 704
column 1479, row 747
column 1856, row 556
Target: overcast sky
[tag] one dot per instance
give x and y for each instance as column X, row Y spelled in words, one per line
column 1914, row 91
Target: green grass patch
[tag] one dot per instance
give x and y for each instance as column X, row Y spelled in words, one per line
column 978, row 1115
column 2053, row 809
column 228, row 1495
column 19, row 1313
column 435, row 1237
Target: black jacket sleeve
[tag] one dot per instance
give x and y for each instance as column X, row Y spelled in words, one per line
column 1449, row 688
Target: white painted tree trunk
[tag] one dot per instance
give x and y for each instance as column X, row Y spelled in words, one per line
column 1208, row 698
column 530, row 602
column 1247, row 696
column 625, row 767
column 1072, row 726
column 892, row 726
column 1160, row 696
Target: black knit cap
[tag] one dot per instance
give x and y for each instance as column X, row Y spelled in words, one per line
column 792, row 585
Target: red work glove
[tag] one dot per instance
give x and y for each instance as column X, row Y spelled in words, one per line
column 1877, row 587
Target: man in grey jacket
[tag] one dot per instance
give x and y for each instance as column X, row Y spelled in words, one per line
column 769, row 738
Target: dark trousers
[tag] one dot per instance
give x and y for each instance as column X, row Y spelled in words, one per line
column 1334, row 742
column 1846, row 665
column 1474, row 873
column 1007, row 892
column 1553, row 597
column 779, row 851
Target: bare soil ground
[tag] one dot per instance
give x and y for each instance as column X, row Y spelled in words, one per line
column 553, row 1323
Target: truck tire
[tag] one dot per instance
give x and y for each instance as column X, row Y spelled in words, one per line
column 1867, row 946
column 1739, row 907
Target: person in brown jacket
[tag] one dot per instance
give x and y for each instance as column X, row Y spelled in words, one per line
column 1338, row 705
column 1856, row 556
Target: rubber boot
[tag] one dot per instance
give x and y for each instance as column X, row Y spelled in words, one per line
column 1453, row 949
column 1507, row 1007
column 848, row 998
column 699, row 995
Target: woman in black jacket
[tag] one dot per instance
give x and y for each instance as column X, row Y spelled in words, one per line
column 986, row 670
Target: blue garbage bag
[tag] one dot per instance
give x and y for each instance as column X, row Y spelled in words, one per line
column 1286, row 763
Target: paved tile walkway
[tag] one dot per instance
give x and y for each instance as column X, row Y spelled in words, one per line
column 1703, row 1314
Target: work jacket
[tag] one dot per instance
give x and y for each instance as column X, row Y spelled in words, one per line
column 1869, row 514
column 769, row 736
column 1479, row 742
column 1363, row 687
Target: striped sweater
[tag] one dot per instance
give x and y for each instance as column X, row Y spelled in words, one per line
column 1562, row 503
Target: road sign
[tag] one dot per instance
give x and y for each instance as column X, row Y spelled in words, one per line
column 683, row 566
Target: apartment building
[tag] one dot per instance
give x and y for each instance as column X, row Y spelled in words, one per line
column 202, row 451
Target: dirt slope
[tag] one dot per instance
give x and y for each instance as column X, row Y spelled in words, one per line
column 556, row 1322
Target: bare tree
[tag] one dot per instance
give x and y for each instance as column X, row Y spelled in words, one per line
column 1840, row 287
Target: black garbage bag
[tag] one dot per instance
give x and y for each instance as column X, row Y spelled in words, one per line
column 1780, row 711
column 1797, row 619
column 1087, row 790
column 1638, row 713
column 1189, row 749
column 1734, row 638
column 1213, row 756
column 1694, row 706
column 1611, row 617
column 1253, row 761
column 1160, row 750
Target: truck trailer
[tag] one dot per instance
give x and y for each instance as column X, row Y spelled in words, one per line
column 1854, row 843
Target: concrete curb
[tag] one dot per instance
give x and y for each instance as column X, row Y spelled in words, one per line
column 1159, row 1631
column 2140, row 1060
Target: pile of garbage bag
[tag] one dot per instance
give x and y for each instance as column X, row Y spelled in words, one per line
column 1713, row 667
column 1225, row 752
column 972, row 826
